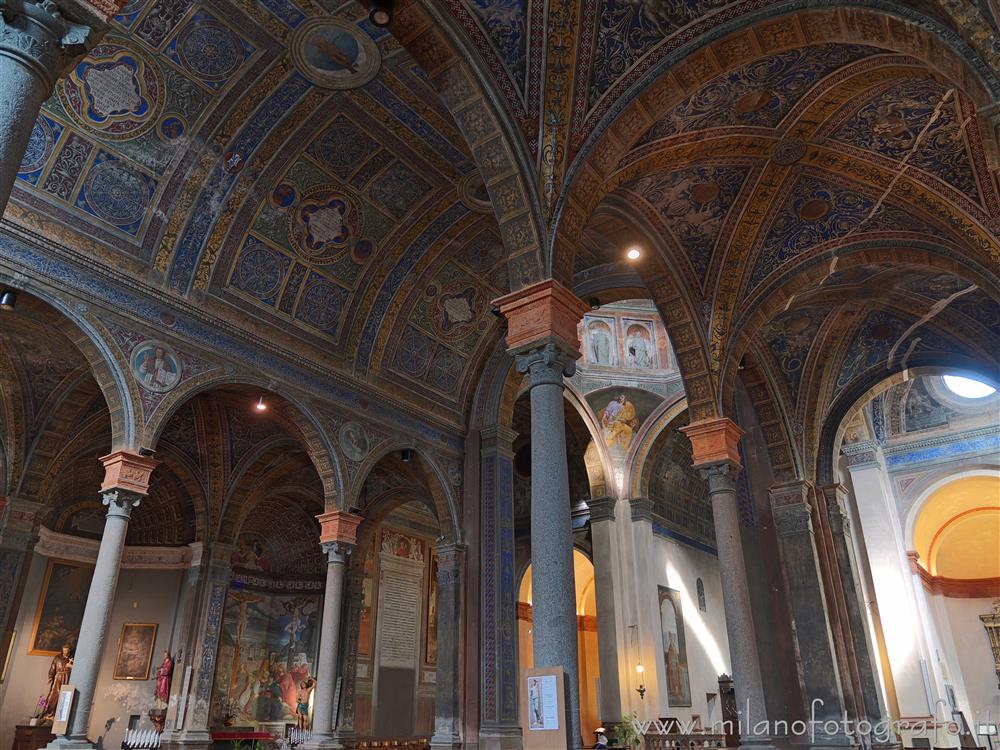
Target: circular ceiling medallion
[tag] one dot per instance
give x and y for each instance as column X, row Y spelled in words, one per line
column 40, row 144
column 115, row 92
column 324, row 224
column 797, row 324
column 334, row 54
column 117, row 194
column 753, row 101
column 210, row 50
column 472, row 190
column 705, row 192
column 814, row 209
column 788, row 151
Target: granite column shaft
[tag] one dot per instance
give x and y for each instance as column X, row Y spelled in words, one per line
column 447, row 704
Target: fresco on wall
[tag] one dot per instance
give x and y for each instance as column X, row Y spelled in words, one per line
column 431, row 648
column 268, row 646
column 600, row 344
column 60, row 607
column 674, row 648
column 251, row 553
column 621, row 412
column 366, row 625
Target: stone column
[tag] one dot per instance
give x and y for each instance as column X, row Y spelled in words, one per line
column 498, row 728
column 542, row 324
column 126, row 482
column 602, row 532
column 716, row 456
column 38, row 42
column 338, row 535
column 871, row 694
column 447, row 702
column 211, row 575
column 818, row 669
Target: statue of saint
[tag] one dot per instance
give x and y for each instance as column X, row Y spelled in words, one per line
column 62, row 665
column 306, row 688
column 164, row 674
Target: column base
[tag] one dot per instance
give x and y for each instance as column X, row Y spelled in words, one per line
column 757, row 743
column 500, row 738
column 70, row 743
column 322, row 743
column 446, row 742
column 186, row 740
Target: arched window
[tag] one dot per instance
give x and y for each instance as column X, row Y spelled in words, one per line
column 700, row 588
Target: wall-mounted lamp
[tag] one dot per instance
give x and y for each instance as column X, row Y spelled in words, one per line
column 641, row 690
column 8, row 299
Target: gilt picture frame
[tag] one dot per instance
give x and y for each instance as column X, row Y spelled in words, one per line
column 61, row 602
column 135, row 651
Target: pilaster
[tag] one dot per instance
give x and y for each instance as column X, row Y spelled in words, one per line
column 606, row 571
column 447, row 704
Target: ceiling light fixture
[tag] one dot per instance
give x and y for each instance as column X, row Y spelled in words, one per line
column 381, row 13
column 634, row 253
column 406, row 455
column 260, row 405
column 8, row 299
column 595, row 304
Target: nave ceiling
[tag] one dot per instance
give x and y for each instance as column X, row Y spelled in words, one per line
column 814, row 186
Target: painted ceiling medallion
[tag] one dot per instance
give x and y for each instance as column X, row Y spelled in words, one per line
column 335, row 55
column 116, row 92
column 753, row 101
column 324, row 224
column 814, row 209
column 456, row 310
column 788, row 151
column 705, row 192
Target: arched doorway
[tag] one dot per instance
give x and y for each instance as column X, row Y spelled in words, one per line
column 586, row 623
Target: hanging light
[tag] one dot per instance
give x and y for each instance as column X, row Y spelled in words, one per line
column 406, row 455
column 641, row 690
column 8, row 299
column 634, row 253
column 260, row 405
column 381, row 13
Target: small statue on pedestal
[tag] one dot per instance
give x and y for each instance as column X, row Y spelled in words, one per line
column 161, row 693
column 306, row 688
column 62, row 665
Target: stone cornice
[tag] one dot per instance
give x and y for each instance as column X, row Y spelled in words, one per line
column 67, row 547
column 122, row 296
column 602, row 509
column 896, row 454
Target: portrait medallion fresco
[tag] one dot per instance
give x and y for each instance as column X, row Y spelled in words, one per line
column 116, row 92
column 156, row 366
column 334, row 55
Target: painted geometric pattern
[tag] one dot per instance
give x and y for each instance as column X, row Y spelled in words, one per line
column 790, row 336
column 892, row 123
column 876, row 338
column 116, row 193
column 209, row 50
column 629, row 29
column 817, row 212
column 693, row 203
column 758, row 94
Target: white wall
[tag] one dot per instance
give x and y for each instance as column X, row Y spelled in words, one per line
column 974, row 656
column 147, row 596
column 678, row 566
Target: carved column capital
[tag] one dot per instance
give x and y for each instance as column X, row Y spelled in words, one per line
column 791, row 508
column 337, row 552
column 836, row 508
column 547, row 364
column 499, row 438
column 862, row 454
column 721, row 477
column 339, row 526
column 121, row 502
column 128, row 472
column 39, row 35
column 542, row 312
column 602, row 509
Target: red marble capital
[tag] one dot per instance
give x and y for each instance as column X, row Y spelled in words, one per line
column 913, row 558
column 540, row 313
column 339, row 526
column 127, row 471
column 714, row 441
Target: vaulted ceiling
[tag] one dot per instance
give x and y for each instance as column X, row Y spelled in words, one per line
column 807, row 180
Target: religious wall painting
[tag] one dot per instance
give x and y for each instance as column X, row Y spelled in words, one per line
column 135, row 651
column 599, row 342
column 621, row 412
column 354, row 441
column 366, row 625
column 60, row 607
column 398, row 544
column 267, row 648
column 251, row 553
column 334, row 54
column 156, row 366
column 674, row 647
column 640, row 346
column 431, row 629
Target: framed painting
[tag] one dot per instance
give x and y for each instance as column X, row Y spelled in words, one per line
column 431, row 629
column 674, row 648
column 135, row 651
column 61, row 602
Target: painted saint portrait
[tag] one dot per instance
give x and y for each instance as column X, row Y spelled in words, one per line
column 674, row 647
column 600, row 344
column 334, row 54
column 640, row 349
column 619, row 423
column 155, row 366
column 251, row 553
column 60, row 607
column 354, row 441
column 135, row 651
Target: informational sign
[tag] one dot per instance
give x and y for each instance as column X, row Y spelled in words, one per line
column 985, row 730
column 64, row 704
column 543, row 704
